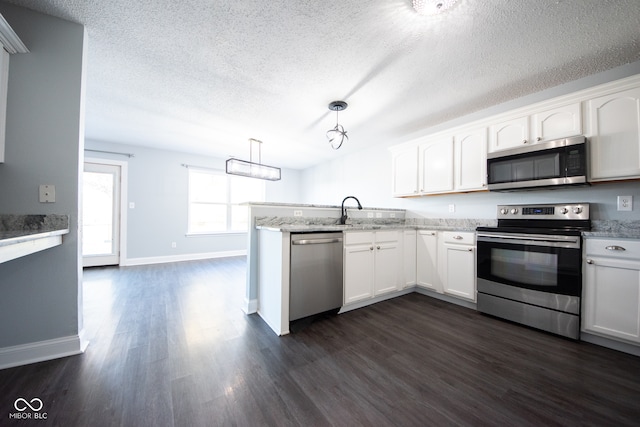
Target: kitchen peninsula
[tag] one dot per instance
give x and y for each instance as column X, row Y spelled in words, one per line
column 381, row 271
column 21, row 235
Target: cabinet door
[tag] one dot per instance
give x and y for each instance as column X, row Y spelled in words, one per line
column 426, row 260
column 460, row 273
column 509, row 134
column 409, row 257
column 615, row 135
column 405, row 172
column 358, row 272
column 470, row 164
column 436, row 166
column 387, row 267
column 558, row 123
column 612, row 298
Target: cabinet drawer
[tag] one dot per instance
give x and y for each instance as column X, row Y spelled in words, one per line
column 387, row 236
column 618, row 248
column 358, row 237
column 459, row 238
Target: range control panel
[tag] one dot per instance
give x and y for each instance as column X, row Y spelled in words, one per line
column 546, row 211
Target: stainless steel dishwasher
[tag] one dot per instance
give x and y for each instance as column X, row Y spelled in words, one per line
column 316, row 283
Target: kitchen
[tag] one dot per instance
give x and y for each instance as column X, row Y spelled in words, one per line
column 364, row 173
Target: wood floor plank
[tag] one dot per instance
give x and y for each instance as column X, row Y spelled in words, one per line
column 171, row 347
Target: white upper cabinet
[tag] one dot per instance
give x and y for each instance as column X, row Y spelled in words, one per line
column 614, row 122
column 470, row 165
column 436, row 165
column 405, row 171
column 557, row 123
column 509, row 134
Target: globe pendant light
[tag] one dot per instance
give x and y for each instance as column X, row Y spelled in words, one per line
column 337, row 135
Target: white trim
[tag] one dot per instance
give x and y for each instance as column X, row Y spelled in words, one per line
column 40, row 351
column 250, row 306
column 374, row 300
column 124, row 204
column 179, row 258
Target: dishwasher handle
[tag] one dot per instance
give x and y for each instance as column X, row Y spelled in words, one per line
column 316, row 241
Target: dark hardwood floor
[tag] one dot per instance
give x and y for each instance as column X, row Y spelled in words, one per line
column 170, row 346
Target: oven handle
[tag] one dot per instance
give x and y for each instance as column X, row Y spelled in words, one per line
column 529, row 239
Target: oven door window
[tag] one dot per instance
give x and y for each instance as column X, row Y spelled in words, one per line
column 526, row 267
column 542, row 268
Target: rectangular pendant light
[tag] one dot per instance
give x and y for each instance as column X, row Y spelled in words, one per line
column 252, row 170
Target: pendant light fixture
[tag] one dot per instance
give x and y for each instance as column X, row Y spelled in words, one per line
column 251, row 169
column 337, row 135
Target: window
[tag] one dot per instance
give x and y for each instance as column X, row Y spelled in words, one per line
column 214, row 201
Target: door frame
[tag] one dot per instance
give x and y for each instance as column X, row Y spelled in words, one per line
column 123, row 203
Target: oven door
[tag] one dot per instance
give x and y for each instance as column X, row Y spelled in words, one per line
column 545, row 263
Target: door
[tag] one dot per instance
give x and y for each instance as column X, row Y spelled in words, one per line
column 101, row 190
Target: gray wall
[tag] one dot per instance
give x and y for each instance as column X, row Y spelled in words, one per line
column 158, row 185
column 367, row 173
column 40, row 293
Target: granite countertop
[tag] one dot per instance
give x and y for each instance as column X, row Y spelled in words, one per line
column 614, row 229
column 599, row 228
column 304, row 225
column 16, row 229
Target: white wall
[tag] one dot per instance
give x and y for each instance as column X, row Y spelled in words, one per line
column 367, row 174
column 40, row 293
column 158, row 185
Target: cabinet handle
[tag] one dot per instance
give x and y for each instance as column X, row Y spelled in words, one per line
column 524, row 141
column 589, row 261
column 615, row 248
column 377, row 247
column 539, row 138
column 457, row 237
column 470, row 250
column 370, row 248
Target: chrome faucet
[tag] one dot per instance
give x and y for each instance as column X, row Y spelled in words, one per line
column 343, row 218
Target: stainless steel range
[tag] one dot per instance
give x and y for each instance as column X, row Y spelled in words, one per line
column 530, row 266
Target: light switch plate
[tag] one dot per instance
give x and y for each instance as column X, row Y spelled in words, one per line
column 47, row 193
column 625, row 203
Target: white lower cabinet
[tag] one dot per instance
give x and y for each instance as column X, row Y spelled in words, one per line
column 371, row 264
column 426, row 263
column 611, row 295
column 409, row 244
column 458, row 264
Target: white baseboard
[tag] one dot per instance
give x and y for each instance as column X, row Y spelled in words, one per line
column 179, row 258
column 250, row 306
column 40, row 351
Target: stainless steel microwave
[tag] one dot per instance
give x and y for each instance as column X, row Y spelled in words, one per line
column 542, row 165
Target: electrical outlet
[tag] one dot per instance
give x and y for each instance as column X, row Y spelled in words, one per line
column 174, row 245
column 625, row 203
column 378, row 214
column 392, row 215
column 47, row 193
column 297, row 213
column 452, row 208
column 132, row 205
column 369, row 214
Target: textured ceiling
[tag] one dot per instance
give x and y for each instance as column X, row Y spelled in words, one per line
column 203, row 76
